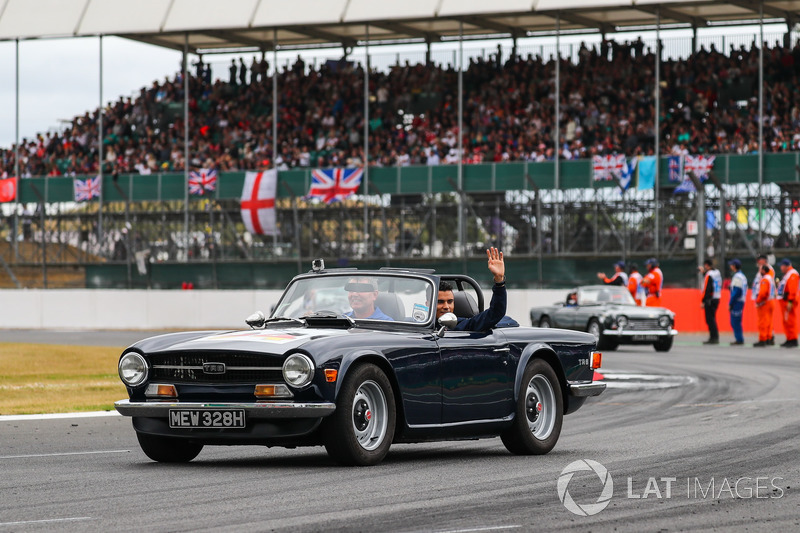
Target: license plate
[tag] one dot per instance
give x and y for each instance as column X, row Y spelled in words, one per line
column 646, row 337
column 206, row 418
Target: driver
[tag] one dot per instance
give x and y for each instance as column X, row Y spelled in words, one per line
column 488, row 318
column 361, row 294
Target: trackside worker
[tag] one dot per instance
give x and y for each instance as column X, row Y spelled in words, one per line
column 712, row 291
column 736, row 303
column 788, row 296
column 765, row 302
column 635, row 286
column 618, row 278
column 761, row 260
column 653, row 282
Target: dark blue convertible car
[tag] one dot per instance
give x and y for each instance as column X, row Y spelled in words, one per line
column 314, row 373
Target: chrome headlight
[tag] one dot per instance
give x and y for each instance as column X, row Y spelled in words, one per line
column 298, row 370
column 664, row 321
column 132, row 369
column 622, row 321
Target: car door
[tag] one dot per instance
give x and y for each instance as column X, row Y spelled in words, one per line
column 565, row 317
column 476, row 376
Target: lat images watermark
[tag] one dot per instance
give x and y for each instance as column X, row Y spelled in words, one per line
column 658, row 488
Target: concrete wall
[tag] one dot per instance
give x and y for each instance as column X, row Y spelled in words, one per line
column 153, row 309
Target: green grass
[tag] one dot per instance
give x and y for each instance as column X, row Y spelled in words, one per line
column 44, row 378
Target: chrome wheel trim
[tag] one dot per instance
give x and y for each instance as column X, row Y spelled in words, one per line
column 594, row 329
column 370, row 415
column 540, row 406
column 545, row 323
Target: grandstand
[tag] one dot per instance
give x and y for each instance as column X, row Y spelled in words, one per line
column 421, row 200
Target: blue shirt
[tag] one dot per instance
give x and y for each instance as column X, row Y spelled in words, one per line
column 376, row 315
column 488, row 318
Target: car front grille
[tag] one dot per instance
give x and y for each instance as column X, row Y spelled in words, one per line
column 643, row 324
column 239, row 368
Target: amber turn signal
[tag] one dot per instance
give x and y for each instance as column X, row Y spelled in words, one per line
column 272, row 391
column 331, row 374
column 597, row 360
column 158, row 390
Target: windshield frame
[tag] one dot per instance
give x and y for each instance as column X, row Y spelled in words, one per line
column 598, row 288
column 430, row 283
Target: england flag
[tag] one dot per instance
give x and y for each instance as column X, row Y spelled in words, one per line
column 258, row 202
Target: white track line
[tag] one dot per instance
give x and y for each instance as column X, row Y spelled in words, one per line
column 75, row 519
column 91, row 414
column 61, row 454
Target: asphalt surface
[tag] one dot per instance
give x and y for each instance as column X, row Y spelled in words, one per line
column 700, row 438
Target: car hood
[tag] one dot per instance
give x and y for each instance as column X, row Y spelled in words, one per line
column 261, row 340
column 634, row 311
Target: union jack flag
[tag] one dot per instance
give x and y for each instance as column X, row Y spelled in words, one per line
column 87, row 189
column 675, row 168
column 606, row 166
column 334, row 184
column 202, row 180
column 699, row 164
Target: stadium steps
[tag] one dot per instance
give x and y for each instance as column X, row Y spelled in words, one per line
column 64, row 270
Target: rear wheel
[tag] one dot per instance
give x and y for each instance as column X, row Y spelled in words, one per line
column 168, row 449
column 361, row 429
column 539, row 412
column 663, row 345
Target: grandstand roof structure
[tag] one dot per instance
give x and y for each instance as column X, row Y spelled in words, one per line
column 215, row 26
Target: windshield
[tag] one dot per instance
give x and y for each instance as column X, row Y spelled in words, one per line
column 359, row 296
column 600, row 295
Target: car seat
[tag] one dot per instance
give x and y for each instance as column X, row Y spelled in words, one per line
column 464, row 304
column 390, row 303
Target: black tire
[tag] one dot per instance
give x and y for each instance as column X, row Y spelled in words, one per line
column 663, row 345
column 361, row 429
column 545, row 322
column 168, row 449
column 538, row 414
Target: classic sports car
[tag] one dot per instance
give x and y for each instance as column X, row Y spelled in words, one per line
column 308, row 375
column 611, row 315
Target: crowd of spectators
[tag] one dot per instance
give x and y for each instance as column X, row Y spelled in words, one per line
column 709, row 105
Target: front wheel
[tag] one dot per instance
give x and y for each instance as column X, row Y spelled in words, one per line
column 168, row 449
column 361, row 429
column 538, row 414
column 663, row 344
column 545, row 322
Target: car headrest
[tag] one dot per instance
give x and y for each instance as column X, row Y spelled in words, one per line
column 390, row 303
column 464, row 304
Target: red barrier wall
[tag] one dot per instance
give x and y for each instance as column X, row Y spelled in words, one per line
column 690, row 316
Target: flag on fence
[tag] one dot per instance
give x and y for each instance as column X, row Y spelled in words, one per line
column 202, row 180
column 699, row 164
column 606, row 166
column 685, row 186
column 629, row 175
column 8, row 190
column 647, row 172
column 87, row 189
column 675, row 168
column 334, row 184
column 258, row 202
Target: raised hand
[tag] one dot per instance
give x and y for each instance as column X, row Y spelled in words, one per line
column 496, row 265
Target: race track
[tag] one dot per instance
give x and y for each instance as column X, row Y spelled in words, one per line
column 699, row 438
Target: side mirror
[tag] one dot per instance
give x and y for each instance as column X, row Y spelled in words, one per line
column 256, row 320
column 447, row 321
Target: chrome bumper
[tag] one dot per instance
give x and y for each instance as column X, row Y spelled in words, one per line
column 633, row 333
column 159, row 409
column 593, row 388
